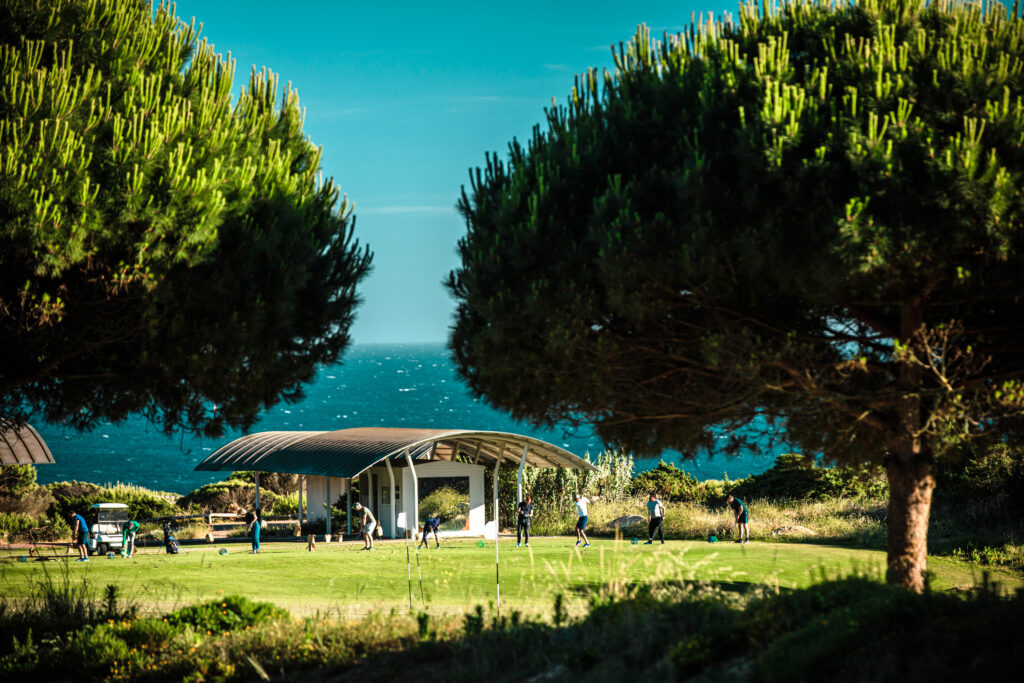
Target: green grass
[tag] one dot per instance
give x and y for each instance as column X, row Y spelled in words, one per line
column 341, row 579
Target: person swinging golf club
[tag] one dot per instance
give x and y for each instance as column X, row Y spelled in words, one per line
column 656, row 514
column 581, row 521
column 740, row 509
column 368, row 523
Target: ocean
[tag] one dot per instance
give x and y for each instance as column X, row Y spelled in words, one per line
column 376, row 385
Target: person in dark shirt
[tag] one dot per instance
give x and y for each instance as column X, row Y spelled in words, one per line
column 525, row 511
column 432, row 524
column 740, row 509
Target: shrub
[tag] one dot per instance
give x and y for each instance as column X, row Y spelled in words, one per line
column 14, row 525
column 669, row 482
column 77, row 496
column 230, row 613
column 55, row 606
column 980, row 474
column 19, row 527
column 796, row 477
column 228, row 496
column 451, row 505
column 17, row 480
column 279, row 483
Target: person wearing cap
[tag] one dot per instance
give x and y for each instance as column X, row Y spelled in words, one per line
column 739, row 508
column 131, row 527
column 368, row 524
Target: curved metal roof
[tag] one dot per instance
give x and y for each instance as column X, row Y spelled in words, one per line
column 349, row 452
column 23, row 446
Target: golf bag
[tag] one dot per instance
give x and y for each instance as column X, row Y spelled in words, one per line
column 170, row 542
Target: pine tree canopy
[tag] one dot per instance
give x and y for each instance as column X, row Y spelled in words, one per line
column 811, row 216
column 166, row 247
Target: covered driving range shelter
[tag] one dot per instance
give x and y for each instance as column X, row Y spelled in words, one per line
column 387, row 462
column 22, row 445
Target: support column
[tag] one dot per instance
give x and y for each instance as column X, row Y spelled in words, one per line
column 494, row 490
column 327, row 497
column 256, row 477
column 348, row 508
column 302, row 480
column 519, row 478
column 391, row 477
column 415, row 494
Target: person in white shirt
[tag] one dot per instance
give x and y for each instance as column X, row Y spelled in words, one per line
column 581, row 523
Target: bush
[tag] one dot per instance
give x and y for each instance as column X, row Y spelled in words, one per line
column 980, row 475
column 14, row 525
column 77, row 496
column 796, row 477
column 19, row 527
column 671, row 483
column 278, row 483
column 17, row 480
column 57, row 605
column 228, row 496
column 450, row 505
column 233, row 612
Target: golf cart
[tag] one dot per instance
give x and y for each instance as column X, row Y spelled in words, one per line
column 106, row 527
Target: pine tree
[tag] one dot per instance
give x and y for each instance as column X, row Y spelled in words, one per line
column 165, row 247
column 810, row 218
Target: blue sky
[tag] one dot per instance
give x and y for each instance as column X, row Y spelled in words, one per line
column 406, row 97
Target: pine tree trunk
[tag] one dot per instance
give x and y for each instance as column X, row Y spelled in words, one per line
column 909, row 470
column 911, row 483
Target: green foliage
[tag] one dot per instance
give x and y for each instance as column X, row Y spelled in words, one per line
column 795, row 477
column 276, row 482
column 56, row 605
column 19, row 526
column 673, row 273
column 232, row 613
column 989, row 473
column 848, row 630
column 77, row 496
column 805, row 218
column 17, row 480
column 167, row 246
column 447, row 503
column 553, row 488
column 672, row 483
column 227, row 496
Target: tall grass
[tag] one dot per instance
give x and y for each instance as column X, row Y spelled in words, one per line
column 840, row 520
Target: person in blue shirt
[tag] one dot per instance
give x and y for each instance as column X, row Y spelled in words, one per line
column 79, row 532
column 740, row 509
column 433, row 524
column 656, row 514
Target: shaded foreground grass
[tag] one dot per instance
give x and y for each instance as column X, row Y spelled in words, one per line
column 341, row 579
column 852, row 629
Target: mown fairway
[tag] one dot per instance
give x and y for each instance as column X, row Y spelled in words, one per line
column 342, row 579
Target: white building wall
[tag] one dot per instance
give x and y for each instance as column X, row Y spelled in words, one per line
column 316, row 494
column 444, row 468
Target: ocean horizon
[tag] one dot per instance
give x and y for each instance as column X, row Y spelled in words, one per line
column 375, row 385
